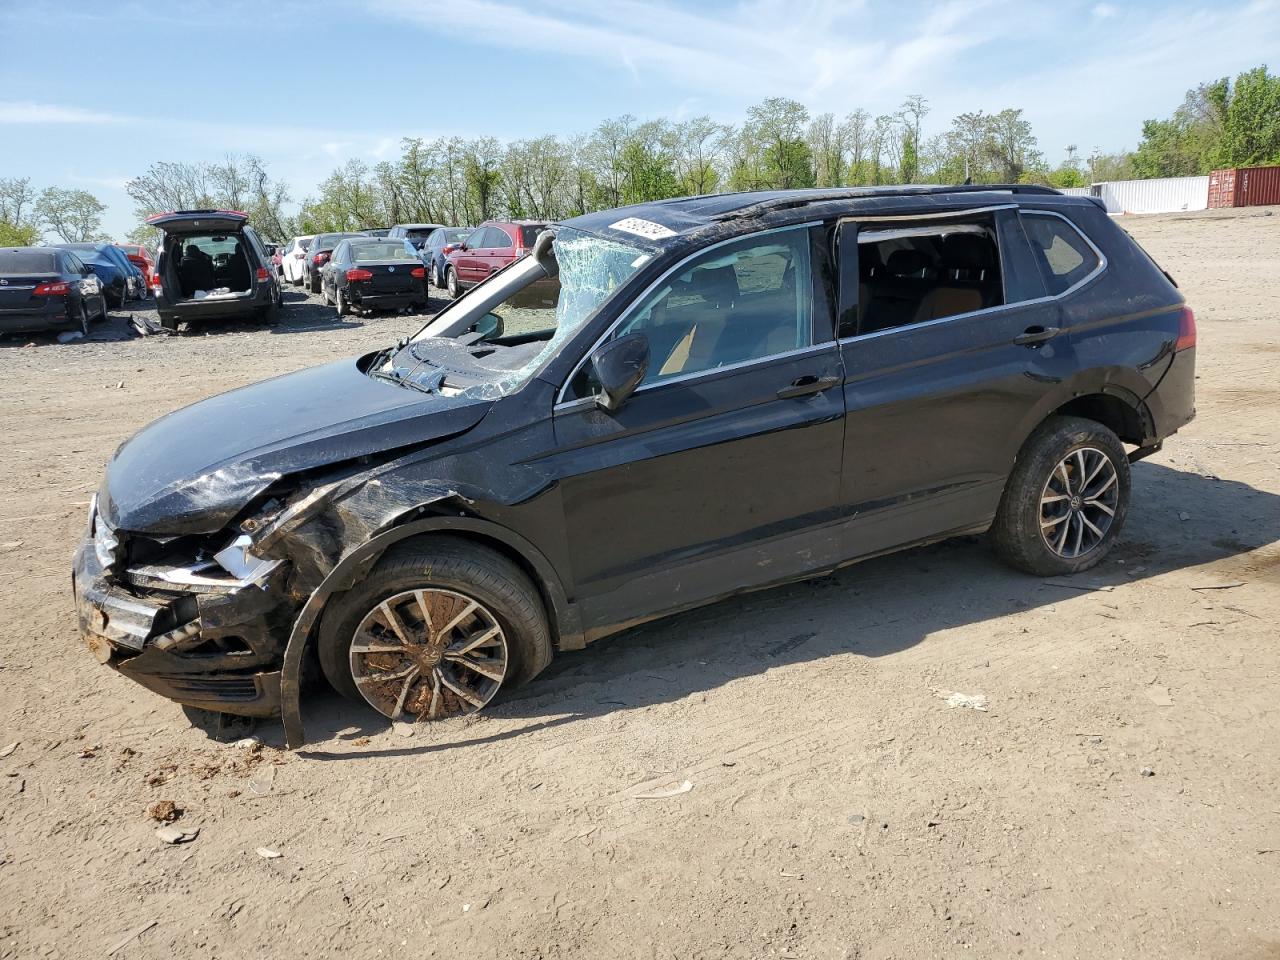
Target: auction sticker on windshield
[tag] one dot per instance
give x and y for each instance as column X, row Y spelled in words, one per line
column 643, row 228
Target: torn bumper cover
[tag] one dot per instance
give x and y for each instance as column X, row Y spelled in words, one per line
column 195, row 634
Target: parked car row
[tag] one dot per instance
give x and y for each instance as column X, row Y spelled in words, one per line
column 454, row 259
column 49, row 288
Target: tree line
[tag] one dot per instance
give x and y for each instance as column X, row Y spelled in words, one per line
column 778, row 145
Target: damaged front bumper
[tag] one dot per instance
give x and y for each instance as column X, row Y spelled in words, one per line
column 204, row 641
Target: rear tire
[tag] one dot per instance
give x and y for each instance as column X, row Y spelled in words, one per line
column 474, row 573
column 451, row 282
column 344, row 308
column 84, row 319
column 1052, row 523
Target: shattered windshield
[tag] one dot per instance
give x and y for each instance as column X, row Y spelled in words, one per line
column 496, row 337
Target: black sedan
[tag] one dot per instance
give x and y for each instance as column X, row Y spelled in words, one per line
column 45, row 288
column 368, row 273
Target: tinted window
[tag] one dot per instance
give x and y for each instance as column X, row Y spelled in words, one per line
column 496, row 238
column 1065, row 257
column 27, row 261
column 529, row 234
column 914, row 273
column 370, row 252
column 744, row 301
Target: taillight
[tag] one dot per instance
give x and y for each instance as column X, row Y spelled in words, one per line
column 418, row 272
column 319, row 258
column 1186, row 330
column 155, row 281
column 262, row 275
column 356, row 275
column 57, row 289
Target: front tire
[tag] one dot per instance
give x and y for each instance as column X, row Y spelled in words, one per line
column 451, row 282
column 1066, row 500
column 83, row 319
column 434, row 630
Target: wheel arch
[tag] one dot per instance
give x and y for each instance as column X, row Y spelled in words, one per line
column 1113, row 397
column 563, row 619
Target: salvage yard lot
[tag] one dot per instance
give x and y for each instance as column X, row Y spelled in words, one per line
column 841, row 805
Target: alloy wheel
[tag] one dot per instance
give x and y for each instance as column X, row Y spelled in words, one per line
column 429, row 654
column 1078, row 502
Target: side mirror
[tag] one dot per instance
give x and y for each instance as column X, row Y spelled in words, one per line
column 489, row 326
column 620, row 366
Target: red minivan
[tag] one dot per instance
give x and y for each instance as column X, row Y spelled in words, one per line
column 487, row 249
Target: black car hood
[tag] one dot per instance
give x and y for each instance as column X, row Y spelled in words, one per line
column 195, row 469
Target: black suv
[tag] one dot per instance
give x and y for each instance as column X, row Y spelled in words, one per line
column 213, row 266
column 705, row 396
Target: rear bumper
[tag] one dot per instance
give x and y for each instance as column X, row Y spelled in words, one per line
column 1173, row 402
column 215, row 309
column 122, row 627
column 54, row 318
column 385, row 301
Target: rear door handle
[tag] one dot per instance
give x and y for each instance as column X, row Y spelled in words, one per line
column 1037, row 334
column 806, row 386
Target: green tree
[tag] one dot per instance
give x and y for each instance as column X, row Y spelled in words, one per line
column 19, row 226
column 74, row 215
column 1250, row 112
column 775, row 132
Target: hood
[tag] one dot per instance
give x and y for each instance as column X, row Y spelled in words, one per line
column 192, row 471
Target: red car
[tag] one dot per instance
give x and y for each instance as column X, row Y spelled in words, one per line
column 487, row 249
column 140, row 257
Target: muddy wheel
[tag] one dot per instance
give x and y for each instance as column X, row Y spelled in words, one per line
column 1066, row 499
column 451, row 281
column 434, row 631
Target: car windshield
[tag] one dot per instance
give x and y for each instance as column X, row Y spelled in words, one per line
column 491, row 341
column 371, row 252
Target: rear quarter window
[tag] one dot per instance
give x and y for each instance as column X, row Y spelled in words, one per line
column 1065, row 257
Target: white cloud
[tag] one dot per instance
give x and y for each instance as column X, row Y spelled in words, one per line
column 1104, row 11
column 28, row 112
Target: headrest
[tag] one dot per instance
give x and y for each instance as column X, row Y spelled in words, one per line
column 719, row 284
column 904, row 263
column 966, row 251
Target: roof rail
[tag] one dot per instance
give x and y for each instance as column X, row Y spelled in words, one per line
column 802, row 198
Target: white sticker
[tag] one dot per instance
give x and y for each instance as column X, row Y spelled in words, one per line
column 643, row 228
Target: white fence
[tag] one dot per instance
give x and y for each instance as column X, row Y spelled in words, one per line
column 1166, row 195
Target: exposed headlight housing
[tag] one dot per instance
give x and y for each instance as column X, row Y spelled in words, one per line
column 106, row 545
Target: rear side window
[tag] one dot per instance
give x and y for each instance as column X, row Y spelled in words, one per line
column 27, row 261
column 529, row 235
column 496, row 238
column 916, row 273
column 749, row 300
column 1065, row 257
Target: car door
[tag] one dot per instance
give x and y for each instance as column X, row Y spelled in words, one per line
column 500, row 250
column 722, row 471
column 469, row 262
column 934, row 403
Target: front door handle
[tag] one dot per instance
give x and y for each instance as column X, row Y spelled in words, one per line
column 806, row 386
column 1037, row 334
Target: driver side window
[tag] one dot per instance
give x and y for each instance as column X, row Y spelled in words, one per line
column 744, row 301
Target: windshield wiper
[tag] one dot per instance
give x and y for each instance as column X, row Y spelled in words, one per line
column 404, row 380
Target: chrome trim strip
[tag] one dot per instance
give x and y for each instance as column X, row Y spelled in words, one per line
column 639, row 298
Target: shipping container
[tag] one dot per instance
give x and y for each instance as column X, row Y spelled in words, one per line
column 1164, row 195
column 1244, row 187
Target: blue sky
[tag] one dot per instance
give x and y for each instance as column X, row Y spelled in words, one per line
column 107, row 87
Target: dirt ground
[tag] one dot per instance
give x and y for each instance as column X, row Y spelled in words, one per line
column 840, row 808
